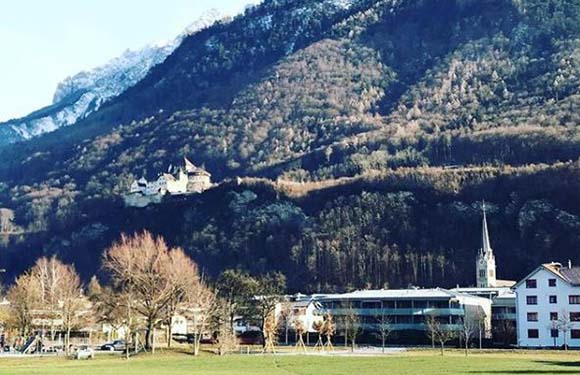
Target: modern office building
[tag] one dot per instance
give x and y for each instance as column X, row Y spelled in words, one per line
column 406, row 311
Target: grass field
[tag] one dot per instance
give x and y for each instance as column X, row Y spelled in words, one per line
column 416, row 362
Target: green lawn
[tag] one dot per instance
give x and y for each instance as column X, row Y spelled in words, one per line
column 422, row 362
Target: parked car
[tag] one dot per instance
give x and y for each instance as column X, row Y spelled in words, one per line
column 83, row 352
column 250, row 338
column 182, row 339
column 115, row 345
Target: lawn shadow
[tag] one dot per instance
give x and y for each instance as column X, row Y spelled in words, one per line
column 560, row 363
column 525, row 372
column 547, row 363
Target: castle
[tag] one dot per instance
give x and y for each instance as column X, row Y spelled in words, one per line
column 188, row 179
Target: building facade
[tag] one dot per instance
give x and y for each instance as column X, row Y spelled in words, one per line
column 548, row 307
column 406, row 311
column 188, row 179
column 503, row 312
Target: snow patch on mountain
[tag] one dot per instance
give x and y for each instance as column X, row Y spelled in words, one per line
column 78, row 96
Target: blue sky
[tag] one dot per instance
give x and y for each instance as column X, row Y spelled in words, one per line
column 44, row 41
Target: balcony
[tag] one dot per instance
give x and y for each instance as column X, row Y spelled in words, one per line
column 403, row 327
column 395, row 312
column 503, row 316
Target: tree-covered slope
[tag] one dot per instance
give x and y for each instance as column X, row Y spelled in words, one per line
column 311, row 91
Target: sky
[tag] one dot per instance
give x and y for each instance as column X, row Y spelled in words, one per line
column 44, row 41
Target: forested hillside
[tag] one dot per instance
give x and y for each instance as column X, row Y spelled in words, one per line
column 396, row 115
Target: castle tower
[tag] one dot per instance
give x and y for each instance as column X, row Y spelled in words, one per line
column 485, row 263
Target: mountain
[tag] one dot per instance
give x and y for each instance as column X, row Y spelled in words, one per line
column 367, row 130
column 78, row 96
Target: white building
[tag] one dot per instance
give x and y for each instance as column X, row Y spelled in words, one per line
column 548, row 307
column 407, row 310
column 188, row 179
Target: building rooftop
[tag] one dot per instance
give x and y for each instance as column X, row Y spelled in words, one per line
column 569, row 274
column 395, row 294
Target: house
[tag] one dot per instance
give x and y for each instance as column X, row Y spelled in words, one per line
column 297, row 308
column 407, row 310
column 548, row 307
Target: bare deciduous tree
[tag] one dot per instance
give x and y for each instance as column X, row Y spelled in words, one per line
column 153, row 277
column 61, row 295
column 439, row 333
column 47, row 273
column 352, row 327
column 202, row 302
column 24, row 296
column 71, row 302
column 384, row 328
column 106, row 305
column 564, row 324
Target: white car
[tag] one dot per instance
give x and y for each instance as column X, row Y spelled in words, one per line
column 84, row 352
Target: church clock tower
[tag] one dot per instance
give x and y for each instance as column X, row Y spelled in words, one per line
column 485, row 263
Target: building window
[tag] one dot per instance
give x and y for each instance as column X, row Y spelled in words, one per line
column 553, row 299
column 532, row 317
column 533, row 333
column 575, row 316
column 575, row 333
column 531, row 284
column 481, row 273
column 551, row 282
column 574, row 300
column 553, row 316
column 491, row 273
column 531, row 300
column 554, row 333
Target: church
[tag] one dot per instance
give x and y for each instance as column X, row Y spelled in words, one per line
column 486, row 275
column 487, row 285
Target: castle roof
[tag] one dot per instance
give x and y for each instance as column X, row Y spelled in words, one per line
column 190, row 168
column 168, row 176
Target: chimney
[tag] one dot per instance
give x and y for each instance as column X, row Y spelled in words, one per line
column 569, row 264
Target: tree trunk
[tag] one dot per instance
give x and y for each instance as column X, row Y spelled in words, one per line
column 148, row 334
column 196, row 343
column 67, row 341
column 442, row 345
column 383, row 342
column 169, row 333
column 466, row 345
column 153, row 341
column 127, row 341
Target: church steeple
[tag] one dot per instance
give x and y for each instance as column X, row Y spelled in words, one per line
column 485, row 263
column 485, row 244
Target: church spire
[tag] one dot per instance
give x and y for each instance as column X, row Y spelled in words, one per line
column 485, row 263
column 485, row 244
